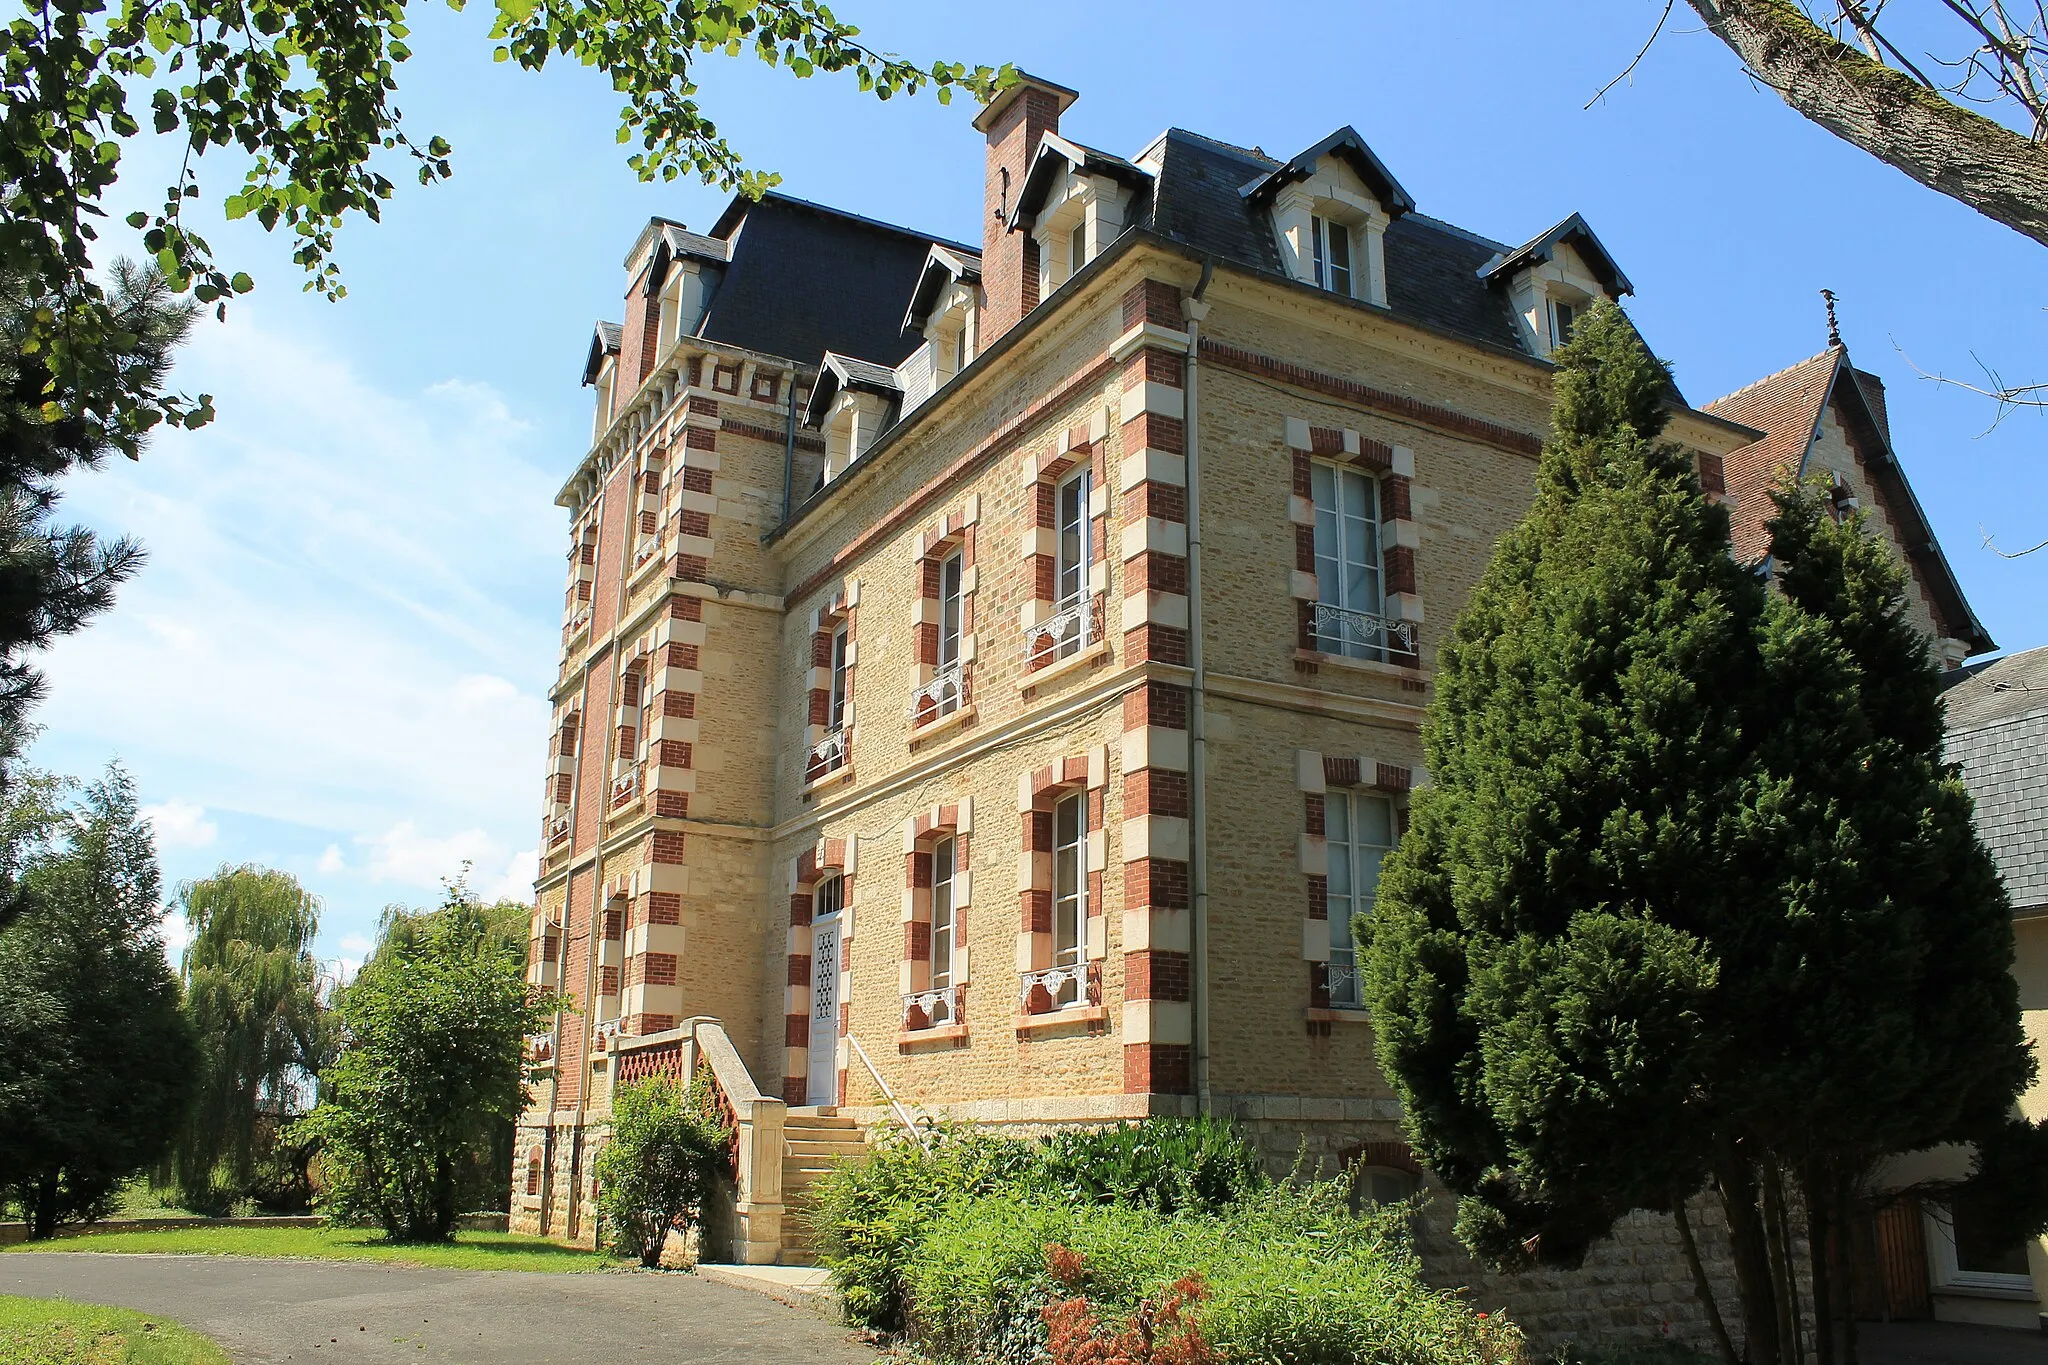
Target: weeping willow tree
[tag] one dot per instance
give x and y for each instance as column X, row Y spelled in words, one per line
column 252, row 992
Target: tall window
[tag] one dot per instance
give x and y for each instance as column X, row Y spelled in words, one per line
column 945, row 862
column 1331, row 245
column 1359, row 829
column 960, row 348
column 949, row 628
column 645, row 685
column 1350, row 601
column 1069, row 893
column 1072, row 512
column 1077, row 248
column 835, row 717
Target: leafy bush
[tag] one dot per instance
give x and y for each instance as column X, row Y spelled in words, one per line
column 1290, row 1278
column 669, row 1146
column 1169, row 1165
column 869, row 1215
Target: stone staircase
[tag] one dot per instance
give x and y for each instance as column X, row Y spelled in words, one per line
column 813, row 1138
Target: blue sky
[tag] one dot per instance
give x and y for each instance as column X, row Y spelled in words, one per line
column 336, row 662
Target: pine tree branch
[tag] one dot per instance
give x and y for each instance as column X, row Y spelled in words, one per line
column 1955, row 151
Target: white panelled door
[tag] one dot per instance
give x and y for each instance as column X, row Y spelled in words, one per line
column 824, row 1083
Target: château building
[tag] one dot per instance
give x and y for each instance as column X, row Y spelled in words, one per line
column 991, row 671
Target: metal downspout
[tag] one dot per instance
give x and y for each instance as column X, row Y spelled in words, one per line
column 1195, row 309
column 789, row 453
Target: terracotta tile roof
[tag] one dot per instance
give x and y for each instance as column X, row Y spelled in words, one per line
column 1786, row 407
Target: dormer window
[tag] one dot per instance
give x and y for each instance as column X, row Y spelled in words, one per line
column 1331, row 207
column 1551, row 282
column 1073, row 204
column 1331, row 245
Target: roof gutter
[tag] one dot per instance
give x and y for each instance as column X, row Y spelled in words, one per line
column 1195, row 308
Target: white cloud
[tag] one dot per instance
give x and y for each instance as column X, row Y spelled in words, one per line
column 348, row 623
column 355, row 946
column 179, row 824
column 171, row 927
column 410, row 857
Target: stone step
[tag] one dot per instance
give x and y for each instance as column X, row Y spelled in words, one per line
column 847, row 1126
column 822, row 1145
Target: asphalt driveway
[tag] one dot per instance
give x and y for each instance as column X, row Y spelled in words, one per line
column 355, row 1314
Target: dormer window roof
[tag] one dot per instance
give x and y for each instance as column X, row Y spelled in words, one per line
column 944, row 266
column 853, row 375
column 1056, row 155
column 1348, row 147
column 603, row 343
column 1542, row 250
column 1554, row 278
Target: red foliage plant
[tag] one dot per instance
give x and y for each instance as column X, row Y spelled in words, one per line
column 1161, row 1332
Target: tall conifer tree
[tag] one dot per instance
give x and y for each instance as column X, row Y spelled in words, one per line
column 1693, row 896
column 1536, row 969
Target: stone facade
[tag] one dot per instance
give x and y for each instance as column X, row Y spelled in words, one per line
column 1012, row 764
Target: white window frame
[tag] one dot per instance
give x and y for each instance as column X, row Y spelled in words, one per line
column 1948, row 1271
column 1350, row 858
column 1326, row 236
column 945, row 868
column 835, row 880
column 1077, row 246
column 835, row 710
column 1333, row 587
column 952, row 610
column 1072, row 557
column 1070, row 894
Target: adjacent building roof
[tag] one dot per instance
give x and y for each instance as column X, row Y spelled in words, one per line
column 1573, row 231
column 1788, row 408
column 1998, row 733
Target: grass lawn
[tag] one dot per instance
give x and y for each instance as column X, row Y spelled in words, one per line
column 470, row 1251
column 58, row 1332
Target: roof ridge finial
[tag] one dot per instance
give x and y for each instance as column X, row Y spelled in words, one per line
column 1834, row 331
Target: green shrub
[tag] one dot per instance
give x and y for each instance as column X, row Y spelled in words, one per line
column 868, row 1216
column 669, row 1147
column 1292, row 1279
column 1169, row 1165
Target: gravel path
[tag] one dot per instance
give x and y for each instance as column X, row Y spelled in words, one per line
column 357, row 1314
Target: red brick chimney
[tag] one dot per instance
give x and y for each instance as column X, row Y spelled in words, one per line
column 1013, row 123
column 640, row 336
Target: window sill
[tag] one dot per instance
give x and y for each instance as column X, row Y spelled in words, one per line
column 2016, row 1294
column 1336, row 1016
column 955, row 1034
column 1066, row 1018
column 940, row 725
column 843, row 773
column 1414, row 672
column 645, row 570
column 1073, row 663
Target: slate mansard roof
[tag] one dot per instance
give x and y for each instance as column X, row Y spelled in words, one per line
column 1998, row 733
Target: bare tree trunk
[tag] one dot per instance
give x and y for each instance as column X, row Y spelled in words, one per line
column 2001, row 174
column 1736, row 1181
column 1700, row 1284
column 1822, row 1239
column 1777, row 1236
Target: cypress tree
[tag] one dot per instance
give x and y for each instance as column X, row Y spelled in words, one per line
column 1537, row 964
column 1693, row 896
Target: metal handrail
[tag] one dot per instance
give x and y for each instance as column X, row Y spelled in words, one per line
column 902, row 1114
